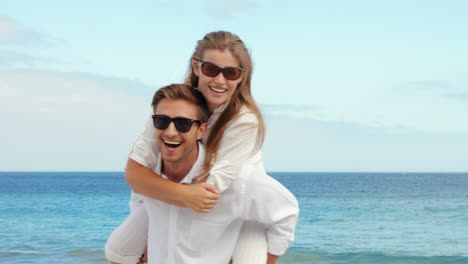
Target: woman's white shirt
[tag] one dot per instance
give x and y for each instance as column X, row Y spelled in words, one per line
column 237, row 145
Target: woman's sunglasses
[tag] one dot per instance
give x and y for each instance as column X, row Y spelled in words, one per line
column 212, row 70
column 181, row 124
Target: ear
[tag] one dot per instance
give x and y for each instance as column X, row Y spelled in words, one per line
column 196, row 68
column 202, row 130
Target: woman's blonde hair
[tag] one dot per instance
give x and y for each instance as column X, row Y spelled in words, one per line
column 222, row 40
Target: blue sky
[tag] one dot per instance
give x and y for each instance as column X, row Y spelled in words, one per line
column 344, row 85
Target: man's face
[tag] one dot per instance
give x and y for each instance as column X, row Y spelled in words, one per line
column 179, row 147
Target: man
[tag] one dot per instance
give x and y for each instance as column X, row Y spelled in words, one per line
column 180, row 235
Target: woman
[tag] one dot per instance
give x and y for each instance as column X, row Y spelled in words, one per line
column 221, row 69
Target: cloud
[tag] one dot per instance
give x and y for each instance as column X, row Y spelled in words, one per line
column 16, row 42
column 424, row 86
column 396, row 115
column 228, row 9
column 79, row 101
column 281, row 111
column 438, row 88
column 459, row 96
column 12, row 33
column 318, row 115
column 336, row 146
column 61, row 92
column 11, row 58
column 80, row 121
column 69, row 121
column 428, row 85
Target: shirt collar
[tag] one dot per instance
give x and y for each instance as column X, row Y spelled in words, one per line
column 194, row 171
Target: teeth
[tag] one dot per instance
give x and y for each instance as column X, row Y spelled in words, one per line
column 172, row 142
column 218, row 90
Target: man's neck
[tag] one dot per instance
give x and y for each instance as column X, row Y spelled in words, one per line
column 176, row 171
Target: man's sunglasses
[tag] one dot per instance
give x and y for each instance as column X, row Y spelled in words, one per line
column 212, row 70
column 181, row 124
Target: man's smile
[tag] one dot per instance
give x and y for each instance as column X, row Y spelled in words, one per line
column 172, row 144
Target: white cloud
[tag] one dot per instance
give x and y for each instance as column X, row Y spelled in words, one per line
column 19, row 45
column 68, row 121
column 425, row 85
column 78, row 121
column 459, row 96
column 311, row 145
column 290, row 111
column 12, row 33
column 64, row 91
column 11, row 58
column 436, row 88
column 428, row 106
column 227, row 8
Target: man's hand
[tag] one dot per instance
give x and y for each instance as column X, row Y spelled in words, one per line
column 201, row 197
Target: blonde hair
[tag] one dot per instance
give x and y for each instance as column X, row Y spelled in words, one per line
column 222, row 40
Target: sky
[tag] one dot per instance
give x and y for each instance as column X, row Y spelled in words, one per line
column 343, row 85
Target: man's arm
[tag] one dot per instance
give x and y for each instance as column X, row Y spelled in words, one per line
column 200, row 197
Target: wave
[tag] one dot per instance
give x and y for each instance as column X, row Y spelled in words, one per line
column 87, row 256
column 302, row 256
column 82, row 256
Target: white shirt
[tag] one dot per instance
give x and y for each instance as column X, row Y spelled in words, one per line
column 235, row 159
column 236, row 146
column 180, row 235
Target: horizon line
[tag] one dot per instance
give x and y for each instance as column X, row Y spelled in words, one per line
column 111, row 171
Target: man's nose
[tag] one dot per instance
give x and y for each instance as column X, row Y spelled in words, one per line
column 171, row 130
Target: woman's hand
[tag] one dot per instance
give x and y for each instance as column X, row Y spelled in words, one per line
column 201, row 197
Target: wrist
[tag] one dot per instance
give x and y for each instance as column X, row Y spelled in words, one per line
column 180, row 193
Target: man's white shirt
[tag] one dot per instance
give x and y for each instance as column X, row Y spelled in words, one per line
column 180, row 235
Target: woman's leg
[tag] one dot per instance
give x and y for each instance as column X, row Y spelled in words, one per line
column 127, row 243
column 252, row 245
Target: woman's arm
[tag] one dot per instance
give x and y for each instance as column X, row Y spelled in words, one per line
column 143, row 180
column 200, row 197
column 237, row 145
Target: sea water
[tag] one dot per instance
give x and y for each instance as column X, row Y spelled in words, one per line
column 65, row 217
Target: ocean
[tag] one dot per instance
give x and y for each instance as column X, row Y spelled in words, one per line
column 357, row 218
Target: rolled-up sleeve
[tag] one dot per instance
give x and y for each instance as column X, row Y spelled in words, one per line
column 237, row 145
column 271, row 203
column 145, row 148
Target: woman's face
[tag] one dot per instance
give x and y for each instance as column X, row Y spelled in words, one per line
column 217, row 90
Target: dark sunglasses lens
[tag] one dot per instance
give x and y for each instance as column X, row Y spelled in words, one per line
column 161, row 122
column 182, row 124
column 232, row 73
column 210, row 69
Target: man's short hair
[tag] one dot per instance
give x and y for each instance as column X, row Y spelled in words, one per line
column 183, row 92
